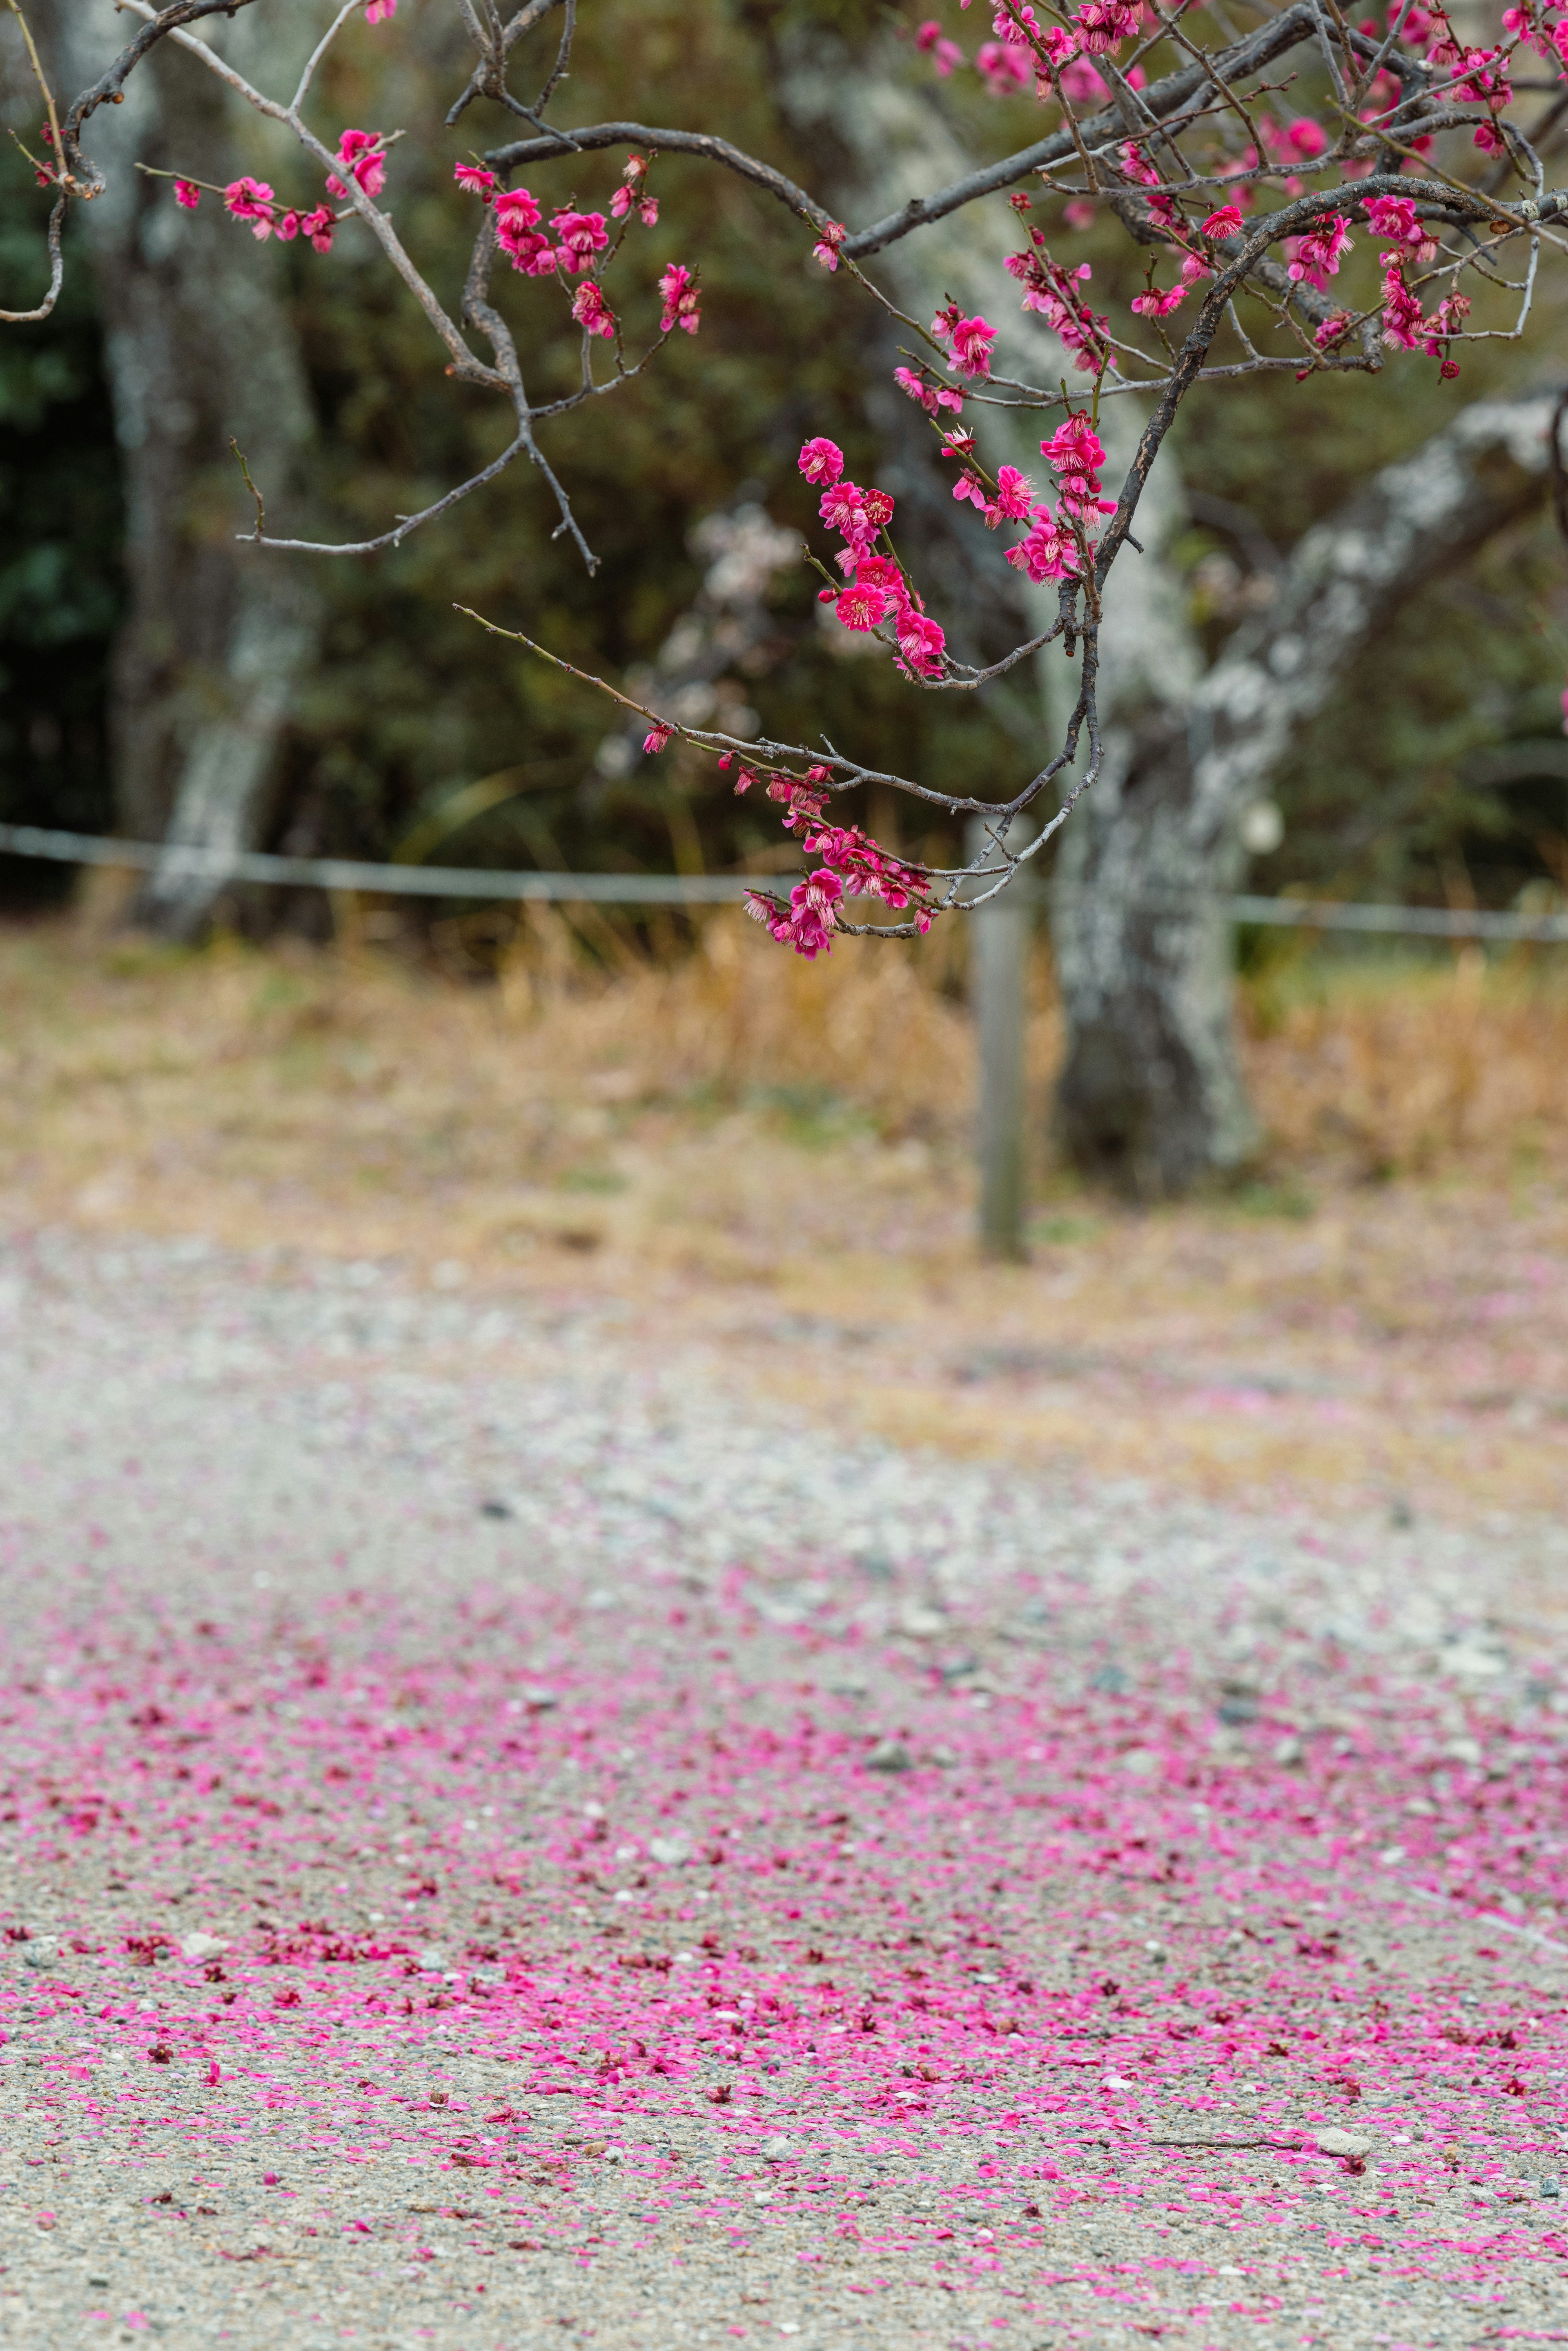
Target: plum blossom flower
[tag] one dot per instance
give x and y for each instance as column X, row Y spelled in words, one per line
column 361, row 153
column 1076, row 451
column 682, row 298
column 933, row 397
column 1049, row 288
column 1156, row 305
column 920, row 640
column 1395, row 218
column 821, row 460
column 251, row 200
column 632, row 172
column 187, row 194
column 581, row 235
column 1014, row 491
column 590, row 310
column 1401, row 319
column 1226, row 222
column 1048, row 552
column 944, row 54
column 379, row 11
column 809, row 926
column 826, row 249
column 1006, row 66
column 1316, row 256
column 1104, row 24
column 656, row 737
column 862, row 604
column 970, row 340
column 475, row 178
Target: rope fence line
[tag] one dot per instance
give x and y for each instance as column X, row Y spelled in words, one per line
column 177, row 861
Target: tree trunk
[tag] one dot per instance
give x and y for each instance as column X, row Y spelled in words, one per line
column 1151, row 1096
column 201, row 347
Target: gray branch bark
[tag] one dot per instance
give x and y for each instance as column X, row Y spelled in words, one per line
column 1151, row 1095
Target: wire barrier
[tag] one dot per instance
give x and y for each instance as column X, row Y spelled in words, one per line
column 176, row 861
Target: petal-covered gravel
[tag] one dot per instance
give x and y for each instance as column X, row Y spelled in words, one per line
column 498, row 1847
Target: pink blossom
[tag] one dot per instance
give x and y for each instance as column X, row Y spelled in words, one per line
column 841, row 507
column 1049, row 551
column 379, row 11
column 1104, row 24
column 1226, row 222
column 515, row 208
column 1156, row 305
column 1084, row 84
column 933, row 397
column 1014, row 491
column 969, row 340
column 187, row 194
column 944, row 54
column 656, row 737
column 826, row 249
column 1079, row 215
column 475, row 180
column 1401, row 319
column 319, row 227
column 1316, row 256
column 1136, row 166
column 682, row 298
column 822, row 461
column 876, row 510
column 581, row 235
column 589, row 310
column 921, row 641
column 1395, row 218
column 1005, row 66
column 970, row 486
column 861, row 605
column 1051, row 288
column 1308, row 138
column 530, row 250
column 251, row 200
column 360, row 152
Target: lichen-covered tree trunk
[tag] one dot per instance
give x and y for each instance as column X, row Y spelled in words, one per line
column 1151, row 1095
column 201, row 347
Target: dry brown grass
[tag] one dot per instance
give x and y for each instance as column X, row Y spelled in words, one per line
column 768, row 1159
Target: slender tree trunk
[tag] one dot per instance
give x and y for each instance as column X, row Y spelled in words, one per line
column 201, row 348
column 1151, row 1095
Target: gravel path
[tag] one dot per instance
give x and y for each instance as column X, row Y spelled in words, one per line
column 502, row 1845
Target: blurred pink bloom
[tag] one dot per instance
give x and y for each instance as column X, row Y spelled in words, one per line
column 186, row 193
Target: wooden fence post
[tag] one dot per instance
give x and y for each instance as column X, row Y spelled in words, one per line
column 1001, row 935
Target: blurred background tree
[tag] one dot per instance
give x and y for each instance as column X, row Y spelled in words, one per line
column 1411, row 784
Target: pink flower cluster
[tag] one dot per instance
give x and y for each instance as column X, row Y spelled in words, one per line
column 682, row 298
column 571, row 248
column 967, row 341
column 932, row 395
column 852, row 863
column 633, row 173
column 1049, row 288
column 1406, row 329
column 1057, row 543
column 363, row 156
column 1394, row 217
column 252, row 201
column 877, row 589
column 1315, row 257
column 943, row 54
column 1196, row 265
